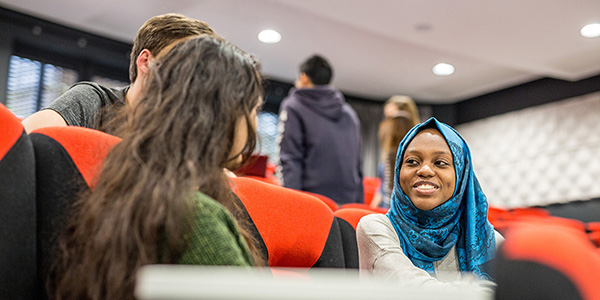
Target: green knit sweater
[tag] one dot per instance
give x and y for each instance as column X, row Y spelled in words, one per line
column 215, row 238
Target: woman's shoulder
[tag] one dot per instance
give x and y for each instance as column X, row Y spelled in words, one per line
column 209, row 207
column 499, row 238
column 374, row 218
column 374, row 223
column 214, row 238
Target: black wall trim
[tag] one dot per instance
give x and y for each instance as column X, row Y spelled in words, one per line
column 63, row 33
column 582, row 210
column 53, row 43
column 514, row 98
column 522, row 96
column 277, row 90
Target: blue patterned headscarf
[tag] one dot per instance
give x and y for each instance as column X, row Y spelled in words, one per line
column 428, row 236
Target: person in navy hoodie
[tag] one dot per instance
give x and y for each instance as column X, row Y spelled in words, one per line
column 319, row 137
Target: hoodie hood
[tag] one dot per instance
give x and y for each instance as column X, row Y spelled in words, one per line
column 323, row 100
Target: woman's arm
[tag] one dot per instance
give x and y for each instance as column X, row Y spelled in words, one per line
column 43, row 118
column 380, row 253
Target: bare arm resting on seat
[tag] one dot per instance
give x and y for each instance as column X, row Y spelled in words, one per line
column 43, row 118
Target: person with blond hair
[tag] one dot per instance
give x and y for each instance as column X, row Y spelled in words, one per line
column 397, row 103
column 391, row 132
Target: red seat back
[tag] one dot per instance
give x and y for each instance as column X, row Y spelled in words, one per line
column 505, row 219
column 86, row 148
column 352, row 215
column 269, row 179
column 328, row 201
column 378, row 210
column 547, row 261
column 67, row 160
column 370, row 187
column 298, row 230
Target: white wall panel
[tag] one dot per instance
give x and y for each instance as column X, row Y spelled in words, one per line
column 540, row 155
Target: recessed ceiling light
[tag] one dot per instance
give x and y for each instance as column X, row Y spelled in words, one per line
column 443, row 69
column 423, row 27
column 590, row 30
column 269, row 36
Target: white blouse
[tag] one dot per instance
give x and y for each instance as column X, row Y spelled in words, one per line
column 381, row 255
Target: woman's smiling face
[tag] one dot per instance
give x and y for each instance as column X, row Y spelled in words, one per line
column 427, row 174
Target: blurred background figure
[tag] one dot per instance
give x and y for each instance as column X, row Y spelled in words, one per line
column 320, row 137
column 398, row 103
column 391, row 131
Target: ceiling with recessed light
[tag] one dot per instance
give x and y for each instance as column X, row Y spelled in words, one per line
column 377, row 48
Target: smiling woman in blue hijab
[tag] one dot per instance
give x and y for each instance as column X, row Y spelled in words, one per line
column 436, row 230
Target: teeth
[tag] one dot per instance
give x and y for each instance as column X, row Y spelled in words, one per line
column 426, row 187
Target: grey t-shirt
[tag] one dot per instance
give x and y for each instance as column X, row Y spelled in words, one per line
column 88, row 104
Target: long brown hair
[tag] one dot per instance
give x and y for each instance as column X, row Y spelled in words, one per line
column 177, row 141
column 391, row 132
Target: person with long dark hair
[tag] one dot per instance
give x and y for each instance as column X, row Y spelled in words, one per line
column 162, row 196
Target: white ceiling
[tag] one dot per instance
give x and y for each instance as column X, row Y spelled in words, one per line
column 378, row 48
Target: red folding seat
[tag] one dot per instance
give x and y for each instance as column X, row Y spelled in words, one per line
column 67, row 160
column 330, row 202
column 594, row 236
column 370, row 187
column 529, row 211
column 526, row 220
column 365, row 206
column 298, row 229
column 593, row 232
column 348, row 219
column 503, row 219
column 592, row 226
column 495, row 214
column 352, row 215
column 259, row 168
column 268, row 179
column 547, row 261
column 17, row 210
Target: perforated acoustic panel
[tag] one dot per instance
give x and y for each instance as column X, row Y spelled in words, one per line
column 538, row 156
